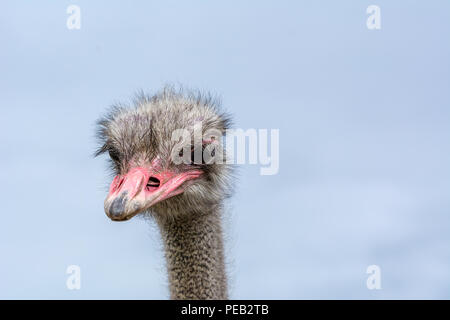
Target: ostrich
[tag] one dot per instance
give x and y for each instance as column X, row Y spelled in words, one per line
column 186, row 199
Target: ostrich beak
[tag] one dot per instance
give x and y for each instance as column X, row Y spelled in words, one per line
column 141, row 188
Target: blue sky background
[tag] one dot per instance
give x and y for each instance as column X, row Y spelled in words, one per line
column 364, row 121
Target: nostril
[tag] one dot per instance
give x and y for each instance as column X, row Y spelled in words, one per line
column 153, row 182
column 120, row 183
column 116, row 184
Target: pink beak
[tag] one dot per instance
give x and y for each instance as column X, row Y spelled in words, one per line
column 141, row 188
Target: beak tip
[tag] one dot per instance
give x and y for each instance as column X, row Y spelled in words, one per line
column 116, row 209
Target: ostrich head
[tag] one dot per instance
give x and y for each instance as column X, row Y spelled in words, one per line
column 164, row 151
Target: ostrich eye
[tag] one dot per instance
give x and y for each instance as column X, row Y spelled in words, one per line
column 193, row 150
column 114, row 155
column 193, row 155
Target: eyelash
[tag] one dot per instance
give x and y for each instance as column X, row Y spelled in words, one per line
column 193, row 155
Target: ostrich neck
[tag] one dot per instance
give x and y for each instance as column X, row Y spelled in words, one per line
column 195, row 258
